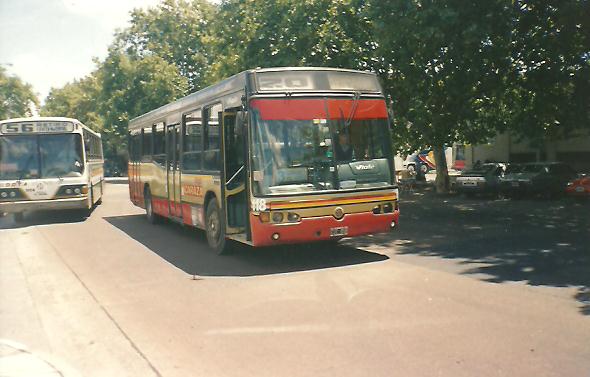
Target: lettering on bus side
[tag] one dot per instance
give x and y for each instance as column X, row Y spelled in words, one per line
column 192, row 190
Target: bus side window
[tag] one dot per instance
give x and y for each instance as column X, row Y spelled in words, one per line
column 146, row 144
column 193, row 141
column 134, row 146
column 211, row 152
column 159, row 154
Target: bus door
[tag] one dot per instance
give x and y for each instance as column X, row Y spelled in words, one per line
column 133, row 168
column 234, row 132
column 173, row 170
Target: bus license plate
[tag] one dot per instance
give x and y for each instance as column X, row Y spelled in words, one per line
column 514, row 184
column 339, row 231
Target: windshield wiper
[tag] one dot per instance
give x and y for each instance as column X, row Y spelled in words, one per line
column 356, row 98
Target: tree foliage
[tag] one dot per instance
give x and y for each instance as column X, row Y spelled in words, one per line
column 267, row 33
column 550, row 75
column 16, row 96
column 130, row 88
column 456, row 70
column 174, row 31
column 443, row 64
column 78, row 99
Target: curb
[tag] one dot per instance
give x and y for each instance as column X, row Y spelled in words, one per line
column 117, row 180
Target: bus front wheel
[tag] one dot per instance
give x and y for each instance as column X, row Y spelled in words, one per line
column 215, row 228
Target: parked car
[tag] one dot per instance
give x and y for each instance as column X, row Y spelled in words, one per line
column 547, row 179
column 481, row 179
column 579, row 187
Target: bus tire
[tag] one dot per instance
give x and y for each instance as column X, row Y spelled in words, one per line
column 215, row 229
column 150, row 215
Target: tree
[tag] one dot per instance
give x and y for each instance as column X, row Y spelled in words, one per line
column 130, row 88
column 78, row 99
column 443, row 63
column 16, row 97
column 267, row 33
column 173, row 31
column 550, row 73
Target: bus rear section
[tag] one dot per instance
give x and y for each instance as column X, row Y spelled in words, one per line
column 48, row 164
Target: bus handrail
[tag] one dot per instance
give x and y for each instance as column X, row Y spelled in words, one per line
column 235, row 175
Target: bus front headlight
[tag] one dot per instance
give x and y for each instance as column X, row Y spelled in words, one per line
column 277, row 217
column 4, row 194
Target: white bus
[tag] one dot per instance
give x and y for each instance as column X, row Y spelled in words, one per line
column 49, row 163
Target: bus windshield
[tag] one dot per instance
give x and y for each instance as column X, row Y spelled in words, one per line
column 330, row 150
column 41, row 156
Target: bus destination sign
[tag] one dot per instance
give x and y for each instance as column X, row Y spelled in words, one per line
column 36, row 127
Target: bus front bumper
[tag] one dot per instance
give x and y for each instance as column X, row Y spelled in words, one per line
column 320, row 228
column 39, row 205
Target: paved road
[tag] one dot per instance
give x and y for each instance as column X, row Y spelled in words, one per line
column 114, row 296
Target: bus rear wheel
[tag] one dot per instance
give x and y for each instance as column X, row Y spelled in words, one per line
column 215, row 228
column 151, row 216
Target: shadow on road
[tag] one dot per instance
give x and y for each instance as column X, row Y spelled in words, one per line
column 187, row 249
column 539, row 242
column 42, row 218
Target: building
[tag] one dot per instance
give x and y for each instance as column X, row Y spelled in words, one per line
column 574, row 151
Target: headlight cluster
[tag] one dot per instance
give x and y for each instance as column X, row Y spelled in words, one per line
column 385, row 208
column 72, row 190
column 279, row 217
column 10, row 194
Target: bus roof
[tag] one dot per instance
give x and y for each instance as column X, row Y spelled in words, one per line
column 49, row 119
column 228, row 91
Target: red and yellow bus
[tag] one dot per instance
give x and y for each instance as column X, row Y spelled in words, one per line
column 269, row 157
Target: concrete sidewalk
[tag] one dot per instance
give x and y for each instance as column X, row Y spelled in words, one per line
column 17, row 361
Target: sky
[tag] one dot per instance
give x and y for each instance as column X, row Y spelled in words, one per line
column 48, row 43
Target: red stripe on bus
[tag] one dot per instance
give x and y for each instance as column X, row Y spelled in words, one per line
column 306, row 109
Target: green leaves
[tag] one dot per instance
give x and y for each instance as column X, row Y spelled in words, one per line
column 456, row 70
column 16, row 97
column 174, row 31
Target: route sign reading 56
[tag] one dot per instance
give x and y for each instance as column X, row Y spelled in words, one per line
column 33, row 127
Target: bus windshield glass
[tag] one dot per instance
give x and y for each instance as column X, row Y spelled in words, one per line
column 41, row 156
column 320, row 144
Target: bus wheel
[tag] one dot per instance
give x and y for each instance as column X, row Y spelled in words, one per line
column 215, row 228
column 19, row 217
column 151, row 216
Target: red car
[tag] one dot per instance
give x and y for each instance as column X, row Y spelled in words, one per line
column 579, row 187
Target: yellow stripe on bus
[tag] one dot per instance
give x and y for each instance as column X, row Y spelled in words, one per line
column 330, row 202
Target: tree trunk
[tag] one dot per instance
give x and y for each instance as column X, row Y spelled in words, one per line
column 442, row 171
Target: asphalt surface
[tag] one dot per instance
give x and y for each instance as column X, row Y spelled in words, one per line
column 472, row 287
